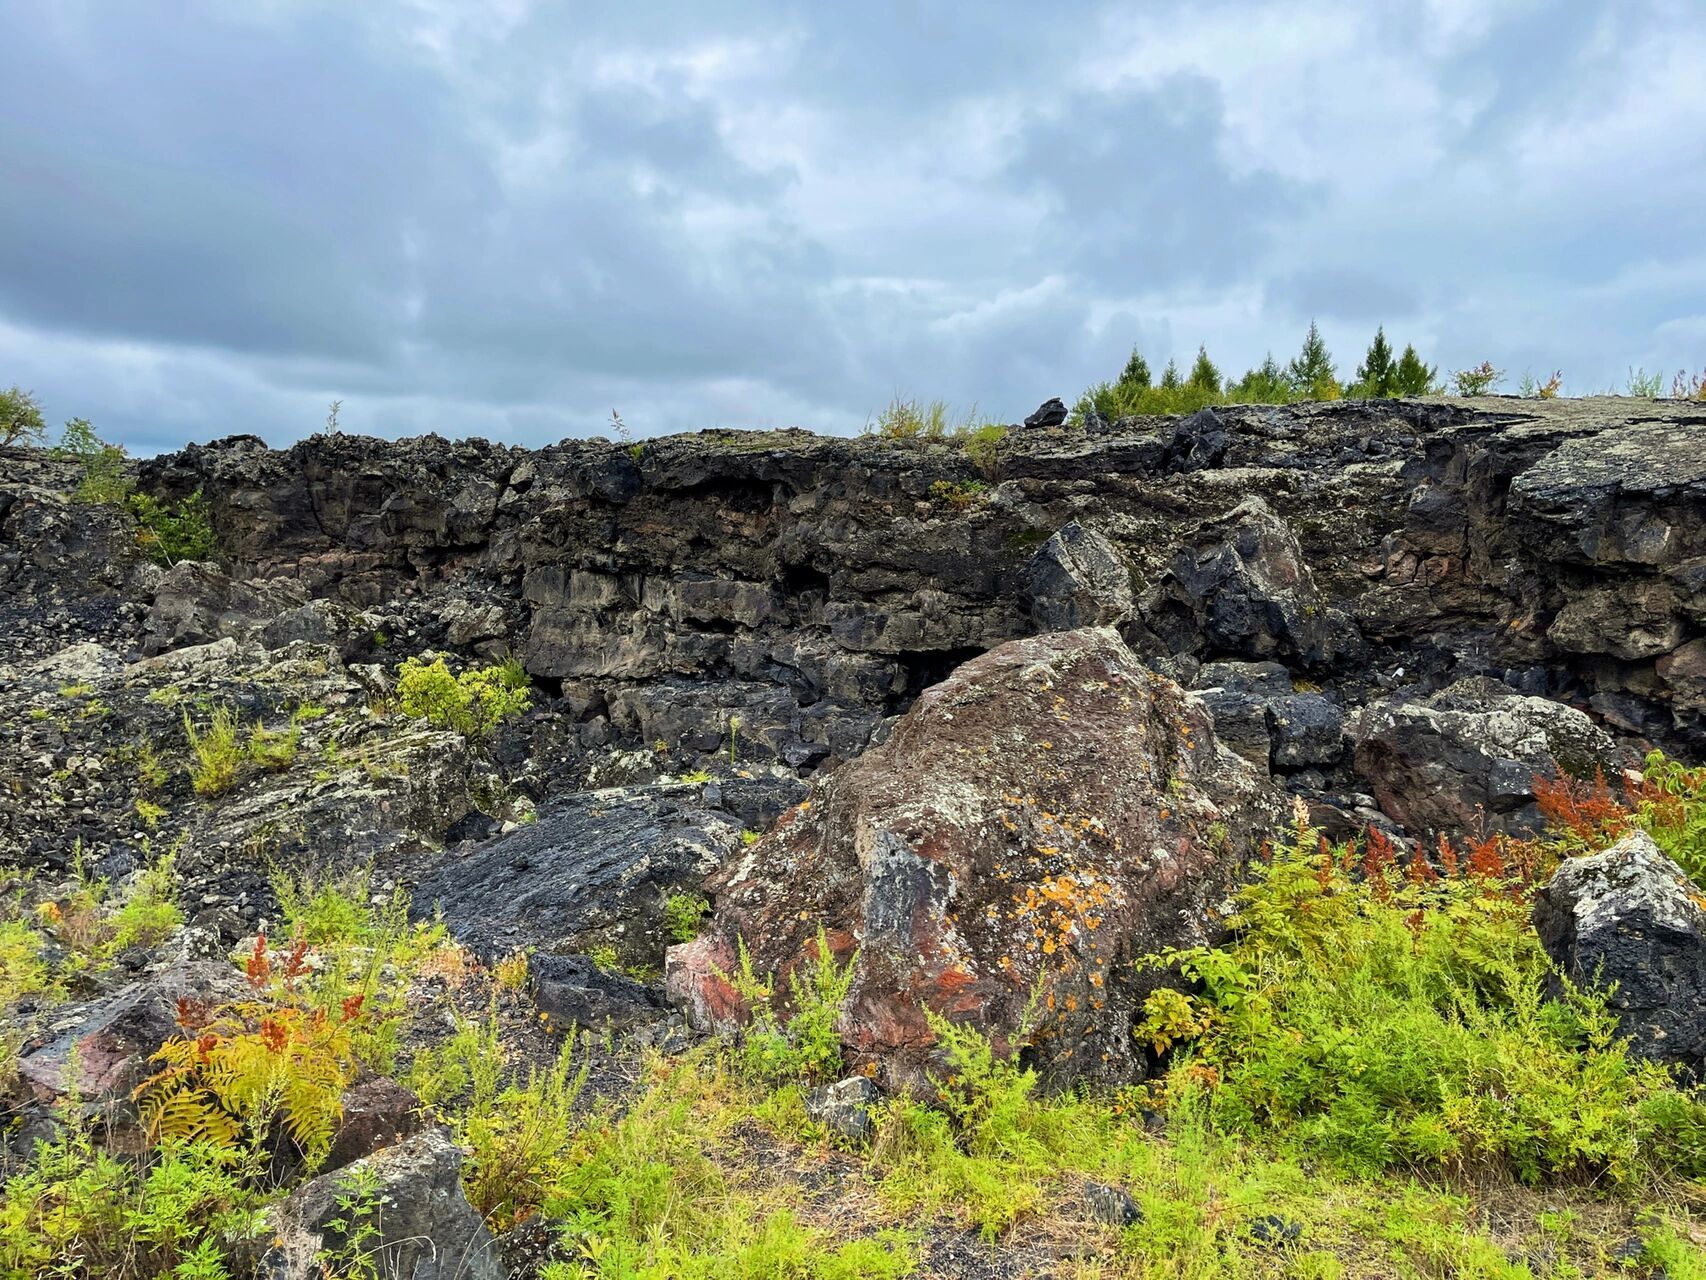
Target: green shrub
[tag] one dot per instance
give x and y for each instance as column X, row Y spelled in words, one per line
column 273, row 751
column 647, row 1193
column 683, row 913
column 961, row 495
column 172, row 531
column 473, row 703
column 104, row 477
column 20, row 417
column 805, row 1045
column 79, row 1210
column 1477, row 381
column 218, row 753
column 990, row 1144
column 150, row 914
column 1645, row 385
column 520, row 1137
column 905, row 419
column 1670, row 805
column 1380, row 1019
column 983, row 447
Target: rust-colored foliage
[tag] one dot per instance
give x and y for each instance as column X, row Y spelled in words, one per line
column 1379, row 854
column 1586, row 811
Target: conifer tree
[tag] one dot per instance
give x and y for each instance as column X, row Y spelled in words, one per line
column 1204, row 376
column 1136, row 372
column 1170, row 376
column 1412, row 377
column 1311, row 371
column 1374, row 374
column 1265, row 384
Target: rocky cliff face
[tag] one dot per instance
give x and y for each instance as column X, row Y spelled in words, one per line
column 787, row 595
column 814, row 586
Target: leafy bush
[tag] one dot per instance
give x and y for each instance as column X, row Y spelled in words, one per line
column 806, row 1044
column 520, row 1137
column 1670, row 805
column 20, row 417
column 93, row 929
column 988, row 1144
column 217, row 752
column 1477, row 381
column 473, row 703
column 1382, row 1018
column 172, row 531
column 1665, row 799
column 683, row 913
column 104, row 477
column 80, row 1210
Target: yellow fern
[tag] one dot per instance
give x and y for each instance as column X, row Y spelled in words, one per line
column 253, row 1061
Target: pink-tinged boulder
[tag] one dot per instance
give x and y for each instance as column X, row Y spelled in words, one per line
column 1042, row 818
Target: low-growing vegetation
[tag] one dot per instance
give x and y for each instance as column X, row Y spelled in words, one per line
column 1387, row 1017
column 1376, row 1074
column 473, row 702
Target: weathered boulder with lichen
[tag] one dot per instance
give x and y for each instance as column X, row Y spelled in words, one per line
column 1471, row 753
column 1628, row 918
column 1050, row 812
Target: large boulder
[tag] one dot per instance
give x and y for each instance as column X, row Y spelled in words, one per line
column 1078, row 579
column 1472, row 751
column 400, row 1212
column 1242, row 588
column 1046, row 815
column 1629, row 916
column 198, row 603
column 594, row 870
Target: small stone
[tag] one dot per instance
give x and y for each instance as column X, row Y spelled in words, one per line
column 1111, row 1205
column 844, row 1107
column 1276, row 1232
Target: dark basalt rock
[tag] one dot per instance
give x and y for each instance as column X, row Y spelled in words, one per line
column 1050, row 413
column 1078, row 579
column 594, row 870
column 572, row 992
column 377, row 1113
column 1243, row 588
column 812, row 587
column 422, row 1224
column 1473, row 750
column 1629, row 916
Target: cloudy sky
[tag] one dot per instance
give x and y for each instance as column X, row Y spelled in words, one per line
column 510, row 217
